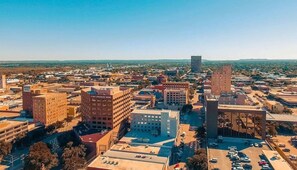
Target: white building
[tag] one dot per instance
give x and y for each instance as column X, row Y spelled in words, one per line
column 164, row 122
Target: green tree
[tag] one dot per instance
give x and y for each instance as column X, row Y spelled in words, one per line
column 40, row 157
column 200, row 132
column 198, row 161
column 74, row 157
column 5, row 149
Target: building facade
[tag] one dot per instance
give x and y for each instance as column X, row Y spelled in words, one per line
column 10, row 129
column 50, row 108
column 221, row 80
column 176, row 85
column 176, row 97
column 29, row 91
column 157, row 122
column 105, row 107
column 3, row 81
column 196, row 64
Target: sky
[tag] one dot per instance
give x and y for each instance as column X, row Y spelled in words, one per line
column 147, row 29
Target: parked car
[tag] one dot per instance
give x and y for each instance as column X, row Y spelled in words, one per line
column 256, row 144
column 247, row 166
column 281, row 145
column 245, row 159
column 213, row 160
column 286, row 150
column 262, row 162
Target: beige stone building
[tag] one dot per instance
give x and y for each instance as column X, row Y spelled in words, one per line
column 50, row 108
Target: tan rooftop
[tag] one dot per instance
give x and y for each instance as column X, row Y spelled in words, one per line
column 7, row 124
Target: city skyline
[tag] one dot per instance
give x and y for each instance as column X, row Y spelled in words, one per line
column 149, row 30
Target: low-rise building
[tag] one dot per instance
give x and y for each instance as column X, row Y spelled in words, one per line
column 11, row 129
column 136, row 150
column 157, row 122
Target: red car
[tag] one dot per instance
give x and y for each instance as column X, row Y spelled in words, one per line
column 262, row 162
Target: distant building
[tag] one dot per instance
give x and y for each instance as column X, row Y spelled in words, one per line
column 161, row 79
column 176, row 97
column 196, row 64
column 233, row 98
column 176, row 85
column 11, row 129
column 106, row 107
column 221, row 80
column 50, row 108
column 171, row 72
column 157, row 122
column 3, row 81
column 29, row 91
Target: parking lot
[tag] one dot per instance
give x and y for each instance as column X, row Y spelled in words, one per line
column 282, row 139
column 220, row 152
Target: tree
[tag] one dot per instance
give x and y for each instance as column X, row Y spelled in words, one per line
column 200, row 132
column 272, row 130
column 40, row 157
column 187, row 108
column 5, row 149
column 198, row 161
column 74, row 157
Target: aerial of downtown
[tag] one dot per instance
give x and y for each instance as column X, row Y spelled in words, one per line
column 148, row 85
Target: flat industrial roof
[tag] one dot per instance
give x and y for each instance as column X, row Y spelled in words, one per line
column 281, row 117
column 120, row 164
column 276, row 161
column 152, row 111
column 6, row 124
column 241, row 108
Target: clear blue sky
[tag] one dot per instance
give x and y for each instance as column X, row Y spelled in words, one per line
column 147, row 29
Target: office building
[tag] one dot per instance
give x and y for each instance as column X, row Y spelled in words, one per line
column 50, row 108
column 176, row 85
column 176, row 97
column 11, row 129
column 157, row 122
column 3, row 82
column 29, row 91
column 196, row 64
column 234, row 120
column 105, row 107
column 221, row 80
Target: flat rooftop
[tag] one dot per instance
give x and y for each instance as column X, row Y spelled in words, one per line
column 276, row 161
column 136, row 150
column 121, row 164
column 241, row 108
column 7, row 124
column 281, row 117
column 155, row 112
